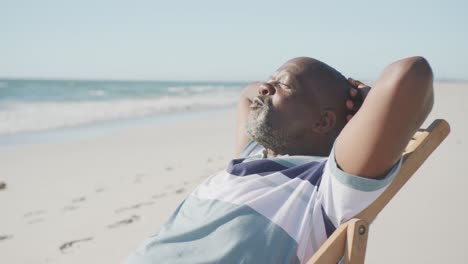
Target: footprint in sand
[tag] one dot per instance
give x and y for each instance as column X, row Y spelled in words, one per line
column 139, row 177
column 135, row 206
column 34, row 216
column 127, row 221
column 65, row 247
column 70, row 208
column 79, row 199
column 5, row 237
column 34, row 213
column 180, row 190
column 74, row 201
column 35, row 221
column 159, row 195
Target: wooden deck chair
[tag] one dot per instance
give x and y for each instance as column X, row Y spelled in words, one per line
column 350, row 239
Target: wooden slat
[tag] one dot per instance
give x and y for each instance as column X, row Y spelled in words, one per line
column 424, row 142
column 416, row 154
column 356, row 242
column 417, row 139
column 333, row 249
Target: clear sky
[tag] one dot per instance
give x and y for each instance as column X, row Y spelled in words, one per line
column 226, row 40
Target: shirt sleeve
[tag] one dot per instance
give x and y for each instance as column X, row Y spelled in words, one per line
column 343, row 195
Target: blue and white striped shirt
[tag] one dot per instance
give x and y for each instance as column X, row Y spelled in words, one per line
column 272, row 210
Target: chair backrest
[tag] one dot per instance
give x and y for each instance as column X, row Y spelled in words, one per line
column 350, row 239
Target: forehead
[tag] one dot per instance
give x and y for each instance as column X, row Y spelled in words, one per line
column 288, row 73
column 291, row 67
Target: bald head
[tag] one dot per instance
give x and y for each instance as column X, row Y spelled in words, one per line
column 302, row 108
column 328, row 87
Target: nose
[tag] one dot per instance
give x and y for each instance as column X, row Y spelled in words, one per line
column 266, row 89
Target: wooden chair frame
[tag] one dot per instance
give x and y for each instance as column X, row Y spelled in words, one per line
column 349, row 241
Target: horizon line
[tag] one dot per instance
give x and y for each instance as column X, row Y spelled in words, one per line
column 457, row 80
column 116, row 80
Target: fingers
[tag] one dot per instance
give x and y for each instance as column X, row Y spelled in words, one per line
column 357, row 84
column 349, row 104
column 355, row 100
column 353, row 106
column 357, row 95
column 353, row 82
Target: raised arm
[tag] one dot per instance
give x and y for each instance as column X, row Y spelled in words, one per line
column 374, row 139
column 243, row 110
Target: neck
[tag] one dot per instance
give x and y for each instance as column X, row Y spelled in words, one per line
column 270, row 153
column 319, row 146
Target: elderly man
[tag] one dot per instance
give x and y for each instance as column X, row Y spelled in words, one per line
column 305, row 165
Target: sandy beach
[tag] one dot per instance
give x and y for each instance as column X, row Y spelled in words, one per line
column 94, row 199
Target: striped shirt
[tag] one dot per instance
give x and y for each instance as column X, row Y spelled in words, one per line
column 262, row 210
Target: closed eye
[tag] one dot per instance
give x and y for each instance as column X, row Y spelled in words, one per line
column 285, row 85
column 275, row 81
column 281, row 86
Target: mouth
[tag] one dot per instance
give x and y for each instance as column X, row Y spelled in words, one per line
column 256, row 103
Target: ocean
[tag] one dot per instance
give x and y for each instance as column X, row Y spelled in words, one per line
column 30, row 106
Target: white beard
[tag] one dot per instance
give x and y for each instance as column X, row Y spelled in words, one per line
column 259, row 128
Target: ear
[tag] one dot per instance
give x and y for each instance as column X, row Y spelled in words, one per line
column 326, row 122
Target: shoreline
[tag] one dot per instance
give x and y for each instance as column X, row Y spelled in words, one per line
column 103, row 128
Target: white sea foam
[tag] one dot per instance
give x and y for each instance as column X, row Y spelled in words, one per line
column 37, row 116
column 195, row 89
column 203, row 88
column 97, row 93
column 176, row 89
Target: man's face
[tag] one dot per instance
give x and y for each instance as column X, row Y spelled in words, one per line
column 260, row 126
column 284, row 110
